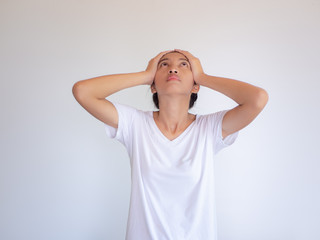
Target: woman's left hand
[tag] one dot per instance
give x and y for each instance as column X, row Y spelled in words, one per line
column 196, row 67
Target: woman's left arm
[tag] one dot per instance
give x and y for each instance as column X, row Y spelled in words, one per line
column 251, row 99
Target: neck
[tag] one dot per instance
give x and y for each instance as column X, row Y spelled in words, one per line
column 173, row 114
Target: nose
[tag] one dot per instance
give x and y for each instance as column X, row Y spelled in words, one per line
column 173, row 71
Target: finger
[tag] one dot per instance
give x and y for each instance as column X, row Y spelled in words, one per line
column 181, row 51
column 186, row 53
column 162, row 54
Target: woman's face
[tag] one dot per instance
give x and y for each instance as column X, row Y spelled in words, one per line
column 173, row 75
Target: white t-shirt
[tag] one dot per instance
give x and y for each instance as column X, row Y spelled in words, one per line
column 172, row 181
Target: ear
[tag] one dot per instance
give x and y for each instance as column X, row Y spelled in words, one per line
column 153, row 88
column 195, row 88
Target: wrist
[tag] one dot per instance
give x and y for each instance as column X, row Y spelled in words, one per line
column 146, row 78
column 201, row 78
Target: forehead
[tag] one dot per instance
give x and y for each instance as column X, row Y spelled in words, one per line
column 173, row 55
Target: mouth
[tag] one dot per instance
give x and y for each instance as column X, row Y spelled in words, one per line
column 173, row 77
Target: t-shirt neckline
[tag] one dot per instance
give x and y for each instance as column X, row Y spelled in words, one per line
column 163, row 137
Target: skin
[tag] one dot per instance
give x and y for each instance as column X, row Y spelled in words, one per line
column 173, row 116
column 174, row 95
column 251, row 99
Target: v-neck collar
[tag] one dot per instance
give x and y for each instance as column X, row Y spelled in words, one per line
column 163, row 137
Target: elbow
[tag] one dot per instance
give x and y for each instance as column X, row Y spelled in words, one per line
column 79, row 90
column 261, row 98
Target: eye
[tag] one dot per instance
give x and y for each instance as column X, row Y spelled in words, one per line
column 184, row 63
column 164, row 64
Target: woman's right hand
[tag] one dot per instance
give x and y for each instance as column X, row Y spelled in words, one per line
column 153, row 66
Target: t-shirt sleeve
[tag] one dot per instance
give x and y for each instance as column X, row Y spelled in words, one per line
column 221, row 142
column 126, row 115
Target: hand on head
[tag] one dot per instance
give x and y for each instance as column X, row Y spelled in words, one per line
column 196, row 67
column 153, row 65
column 195, row 64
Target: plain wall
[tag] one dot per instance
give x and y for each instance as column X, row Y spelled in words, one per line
column 62, row 178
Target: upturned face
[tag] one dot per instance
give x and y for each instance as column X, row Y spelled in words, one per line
column 174, row 75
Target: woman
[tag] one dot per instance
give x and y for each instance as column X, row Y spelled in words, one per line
column 171, row 151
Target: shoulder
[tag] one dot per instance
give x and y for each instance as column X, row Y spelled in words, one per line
column 212, row 118
column 129, row 119
column 131, row 114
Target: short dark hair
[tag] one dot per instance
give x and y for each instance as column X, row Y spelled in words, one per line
column 193, row 98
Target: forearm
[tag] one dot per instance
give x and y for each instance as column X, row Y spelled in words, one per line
column 103, row 86
column 240, row 92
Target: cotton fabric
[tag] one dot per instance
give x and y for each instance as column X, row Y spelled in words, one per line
column 172, row 181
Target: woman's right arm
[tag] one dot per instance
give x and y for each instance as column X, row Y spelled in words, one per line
column 91, row 93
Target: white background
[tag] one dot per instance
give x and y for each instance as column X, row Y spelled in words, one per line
column 61, row 178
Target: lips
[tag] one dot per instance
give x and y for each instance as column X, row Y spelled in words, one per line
column 173, row 77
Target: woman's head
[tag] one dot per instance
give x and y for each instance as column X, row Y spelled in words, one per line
column 174, row 77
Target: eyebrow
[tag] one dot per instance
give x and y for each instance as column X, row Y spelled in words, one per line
column 168, row 59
